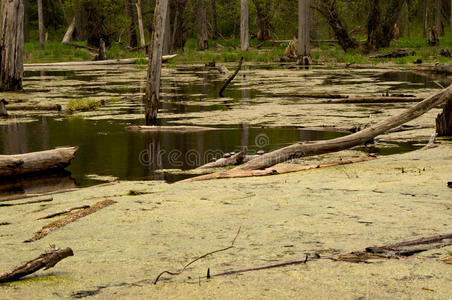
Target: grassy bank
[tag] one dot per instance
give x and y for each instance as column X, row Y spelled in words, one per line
column 228, row 51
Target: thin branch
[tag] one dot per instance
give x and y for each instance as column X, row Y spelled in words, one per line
column 196, row 259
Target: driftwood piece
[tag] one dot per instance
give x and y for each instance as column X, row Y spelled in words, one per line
column 4, row 223
column 444, row 121
column 50, row 107
column 234, row 160
column 46, row 260
column 27, row 202
column 304, row 149
column 310, row 95
column 399, row 250
column 363, row 100
column 170, row 128
column 125, row 61
column 228, row 81
column 276, row 170
column 69, row 219
column 393, row 54
column 20, row 164
column 64, row 212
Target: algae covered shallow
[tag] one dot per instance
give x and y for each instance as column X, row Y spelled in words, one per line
column 326, row 211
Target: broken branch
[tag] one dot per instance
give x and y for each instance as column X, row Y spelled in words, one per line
column 228, row 81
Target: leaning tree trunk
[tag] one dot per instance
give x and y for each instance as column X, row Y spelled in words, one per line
column 41, row 25
column 130, row 8
column 304, row 27
column 201, row 21
column 329, row 12
column 155, row 63
column 244, row 29
column 425, row 18
column 438, row 26
column 69, row 32
column 11, row 45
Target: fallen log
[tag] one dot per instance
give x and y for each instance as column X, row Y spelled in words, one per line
column 228, row 81
column 233, row 160
column 398, row 250
column 304, row 149
column 25, row 203
column 170, row 128
column 363, row 100
column 393, row 54
column 56, row 107
column 311, row 95
column 69, row 219
column 275, row 170
column 125, row 61
column 46, row 260
column 444, row 121
column 21, row 164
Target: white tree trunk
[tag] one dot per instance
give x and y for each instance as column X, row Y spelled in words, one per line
column 244, row 29
column 155, row 63
column 140, row 24
column 11, row 45
column 41, row 26
column 70, row 31
column 304, row 25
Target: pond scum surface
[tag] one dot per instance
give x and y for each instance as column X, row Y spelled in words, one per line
column 121, row 249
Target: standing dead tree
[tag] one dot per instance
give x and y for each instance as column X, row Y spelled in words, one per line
column 151, row 97
column 304, row 28
column 244, row 29
column 41, row 25
column 11, row 45
column 140, row 23
column 201, row 20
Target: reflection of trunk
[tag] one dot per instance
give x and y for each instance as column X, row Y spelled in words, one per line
column 11, row 45
column 425, row 18
column 130, row 8
column 329, row 12
column 380, row 25
column 304, row 27
column 201, row 21
column 40, row 25
column 263, row 19
column 155, row 63
column 244, row 30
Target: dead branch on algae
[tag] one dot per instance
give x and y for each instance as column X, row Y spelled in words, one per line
column 196, row 259
column 69, row 219
column 68, row 210
column 46, row 260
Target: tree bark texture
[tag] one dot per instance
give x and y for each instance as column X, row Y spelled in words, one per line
column 244, row 26
column 263, row 19
column 11, row 45
column 304, row 26
column 131, row 14
column 140, row 24
column 201, row 21
column 41, row 25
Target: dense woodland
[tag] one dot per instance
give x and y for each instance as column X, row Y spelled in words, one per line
column 349, row 21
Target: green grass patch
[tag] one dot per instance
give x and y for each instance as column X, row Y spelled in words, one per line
column 84, row 105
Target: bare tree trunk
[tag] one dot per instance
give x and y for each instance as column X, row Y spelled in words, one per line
column 451, row 16
column 244, row 29
column 11, row 45
column 425, row 18
column 41, row 25
column 26, row 22
column 133, row 42
column 140, row 23
column 70, row 32
column 304, row 26
column 201, row 20
column 263, row 19
column 213, row 19
column 167, row 39
column 155, row 63
column 438, row 17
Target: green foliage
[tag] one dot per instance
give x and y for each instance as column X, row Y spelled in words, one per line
column 84, row 105
column 54, row 52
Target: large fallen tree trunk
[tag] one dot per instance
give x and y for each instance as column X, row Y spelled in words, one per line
column 21, row 164
column 46, row 260
column 303, row 149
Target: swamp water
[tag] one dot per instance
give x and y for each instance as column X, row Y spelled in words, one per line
column 189, row 96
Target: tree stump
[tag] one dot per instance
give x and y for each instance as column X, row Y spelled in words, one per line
column 444, row 121
column 433, row 36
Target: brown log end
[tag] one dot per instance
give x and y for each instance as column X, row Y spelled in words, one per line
column 444, row 121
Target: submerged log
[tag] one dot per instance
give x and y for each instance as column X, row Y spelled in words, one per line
column 309, row 95
column 171, row 128
column 50, row 107
column 444, row 121
column 304, row 149
column 46, row 260
column 362, row 100
column 69, row 219
column 21, row 164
